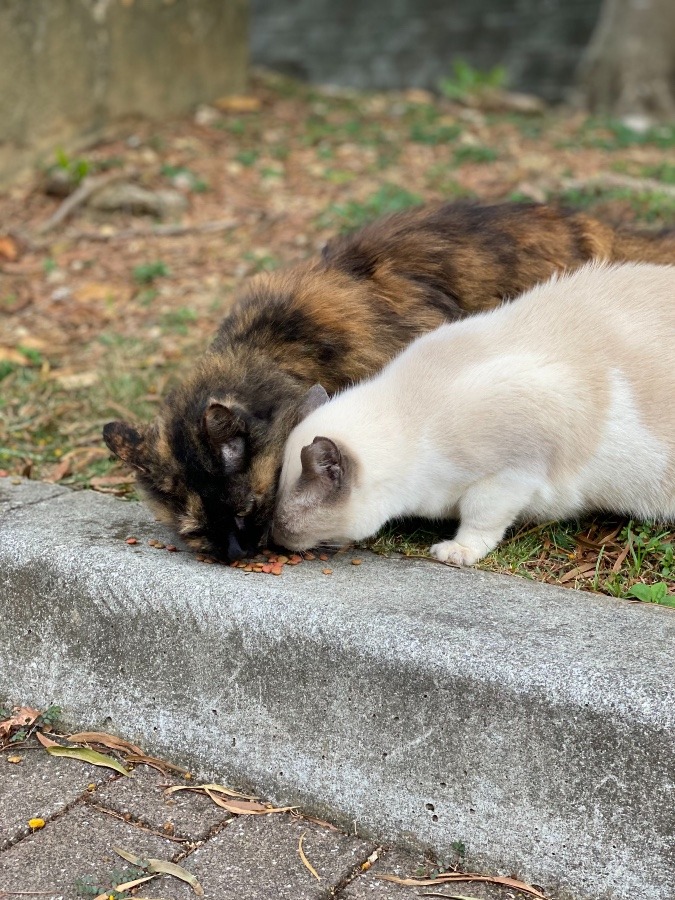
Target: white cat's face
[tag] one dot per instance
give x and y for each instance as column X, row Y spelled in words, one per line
column 316, row 502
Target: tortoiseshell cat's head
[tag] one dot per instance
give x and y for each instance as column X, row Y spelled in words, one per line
column 209, row 464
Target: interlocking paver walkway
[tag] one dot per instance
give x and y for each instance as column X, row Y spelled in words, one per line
column 89, row 811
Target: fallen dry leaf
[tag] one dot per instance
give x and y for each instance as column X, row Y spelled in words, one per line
column 9, row 249
column 216, row 788
column 88, row 756
column 58, row 472
column 76, row 380
column 238, row 104
column 578, row 571
column 448, row 877
column 306, row 863
column 10, row 355
column 22, row 717
column 45, row 741
column 162, row 866
column 107, row 740
column 126, row 886
column 160, row 764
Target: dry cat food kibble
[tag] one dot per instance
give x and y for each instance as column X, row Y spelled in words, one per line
column 266, row 563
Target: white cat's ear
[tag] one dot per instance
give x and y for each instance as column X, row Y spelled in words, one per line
column 315, row 397
column 322, row 463
column 226, row 432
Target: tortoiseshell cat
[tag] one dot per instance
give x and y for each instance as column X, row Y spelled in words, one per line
column 209, row 464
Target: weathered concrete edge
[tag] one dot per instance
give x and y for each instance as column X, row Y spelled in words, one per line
column 582, row 712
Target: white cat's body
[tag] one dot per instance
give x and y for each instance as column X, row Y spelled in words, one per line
column 559, row 403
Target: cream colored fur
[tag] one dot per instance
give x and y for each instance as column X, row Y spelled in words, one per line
column 559, row 403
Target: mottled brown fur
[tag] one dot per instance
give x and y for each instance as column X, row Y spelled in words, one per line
column 211, row 460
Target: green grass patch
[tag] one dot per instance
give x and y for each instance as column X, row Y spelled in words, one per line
column 466, row 81
column 477, row 154
column 387, row 199
column 649, row 206
column 147, row 273
column 178, row 320
column 575, row 554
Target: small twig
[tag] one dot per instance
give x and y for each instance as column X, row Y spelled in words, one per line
column 126, row 234
column 521, row 534
column 135, row 824
column 431, row 559
column 609, row 180
column 88, row 187
column 29, row 894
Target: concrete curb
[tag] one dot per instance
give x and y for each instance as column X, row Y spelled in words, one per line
column 432, row 706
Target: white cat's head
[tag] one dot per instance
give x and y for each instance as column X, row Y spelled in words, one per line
column 321, row 493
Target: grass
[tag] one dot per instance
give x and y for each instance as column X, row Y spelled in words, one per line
column 650, row 206
column 390, row 198
column 575, row 554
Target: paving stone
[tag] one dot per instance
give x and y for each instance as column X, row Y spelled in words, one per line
column 142, row 796
column 39, row 787
column 78, row 845
column 256, row 858
column 367, row 886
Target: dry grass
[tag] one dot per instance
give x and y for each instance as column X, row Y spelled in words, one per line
column 97, row 329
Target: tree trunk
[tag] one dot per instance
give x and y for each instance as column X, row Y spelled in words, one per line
column 629, row 66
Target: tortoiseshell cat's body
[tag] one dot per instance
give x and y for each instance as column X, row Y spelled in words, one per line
column 209, row 464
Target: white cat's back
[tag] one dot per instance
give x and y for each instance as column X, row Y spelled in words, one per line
column 584, row 365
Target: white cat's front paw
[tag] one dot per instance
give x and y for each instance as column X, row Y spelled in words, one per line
column 457, row 554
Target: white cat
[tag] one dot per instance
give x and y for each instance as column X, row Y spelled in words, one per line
column 557, row 404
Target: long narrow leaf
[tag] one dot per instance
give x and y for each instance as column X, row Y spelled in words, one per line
column 169, row 868
column 88, row 756
column 217, row 788
column 449, row 877
column 108, row 740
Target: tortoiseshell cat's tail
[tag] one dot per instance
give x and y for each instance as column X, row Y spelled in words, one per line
column 645, row 246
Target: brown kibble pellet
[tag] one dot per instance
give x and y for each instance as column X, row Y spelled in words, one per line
column 295, row 559
column 282, row 560
column 267, row 568
column 171, row 548
column 248, row 568
column 327, row 571
column 309, row 556
column 276, row 570
column 152, row 542
column 209, row 559
column 200, row 557
column 131, row 540
column 323, row 557
column 158, row 545
column 357, row 562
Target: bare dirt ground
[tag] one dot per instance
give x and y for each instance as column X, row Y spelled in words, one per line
column 102, row 311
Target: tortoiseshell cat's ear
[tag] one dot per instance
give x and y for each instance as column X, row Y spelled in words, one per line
column 315, row 397
column 227, row 434
column 127, row 443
